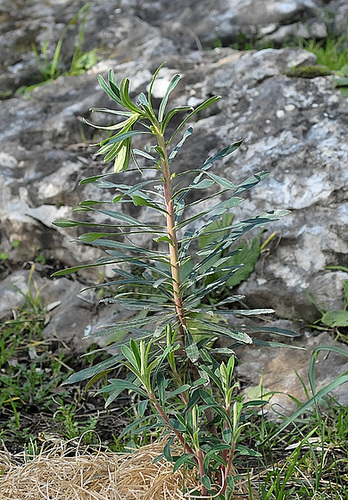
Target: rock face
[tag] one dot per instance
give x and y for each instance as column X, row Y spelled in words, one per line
column 294, row 127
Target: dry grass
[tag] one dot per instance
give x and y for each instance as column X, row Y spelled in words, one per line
column 54, row 475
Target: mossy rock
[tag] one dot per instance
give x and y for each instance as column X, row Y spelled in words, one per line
column 308, row 71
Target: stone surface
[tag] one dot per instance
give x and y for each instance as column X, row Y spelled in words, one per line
column 283, row 370
column 294, row 127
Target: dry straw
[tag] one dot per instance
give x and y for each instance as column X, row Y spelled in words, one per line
column 56, row 475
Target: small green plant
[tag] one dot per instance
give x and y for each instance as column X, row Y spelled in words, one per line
column 332, row 55
column 336, row 319
column 332, row 52
column 51, row 69
column 341, row 81
column 182, row 380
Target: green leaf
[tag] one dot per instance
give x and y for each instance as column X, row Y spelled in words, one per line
column 65, row 223
column 122, row 136
column 93, row 370
column 246, row 451
column 71, row 270
column 215, row 230
column 121, row 216
column 277, row 331
column 180, row 144
column 123, row 157
column 206, row 481
column 90, row 237
column 177, row 391
column 247, row 255
column 144, row 154
column 126, row 246
column 191, row 347
column 225, row 183
column 251, row 181
column 230, row 482
column 116, row 386
column 136, row 423
column 113, row 94
column 335, row 318
column 132, row 354
column 184, row 459
column 217, row 448
column 167, row 451
column 142, row 406
column 153, row 81
column 89, row 180
column 171, row 113
column 173, row 83
column 113, row 151
column 315, row 353
column 124, row 92
column 204, row 105
column 127, row 114
column 95, row 379
column 227, row 435
column 341, row 82
column 227, row 332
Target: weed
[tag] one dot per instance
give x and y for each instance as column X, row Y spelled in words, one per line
column 331, row 53
column 335, row 319
column 52, row 69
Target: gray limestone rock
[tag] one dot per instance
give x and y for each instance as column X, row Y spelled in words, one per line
column 282, row 370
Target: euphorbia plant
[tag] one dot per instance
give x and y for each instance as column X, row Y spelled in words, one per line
column 171, row 359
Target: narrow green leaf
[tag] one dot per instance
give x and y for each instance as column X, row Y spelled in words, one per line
column 127, row 114
column 136, row 423
column 124, row 92
column 90, row 237
column 71, row 270
column 230, row 482
column 144, row 154
column 113, row 95
column 112, row 153
column 122, row 136
column 191, row 347
column 121, row 216
column 89, row 180
column 167, row 451
column 173, row 83
column 93, row 370
column 225, row 183
column 171, row 113
column 153, row 82
column 142, row 406
column 215, row 229
column 227, row 435
column 204, row 105
column 184, row 459
column 177, row 391
column 180, row 144
column 65, row 223
column 315, row 353
column 246, row 451
column 251, row 181
column 120, row 385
